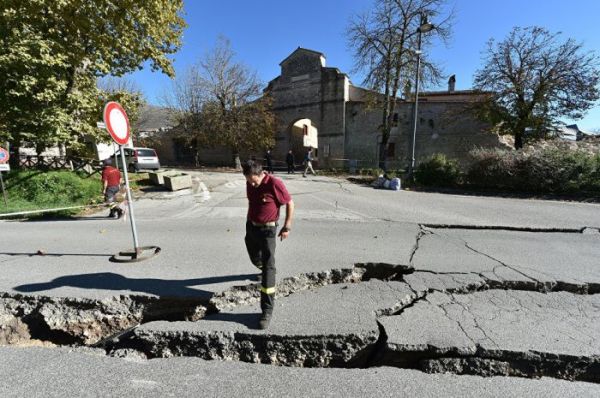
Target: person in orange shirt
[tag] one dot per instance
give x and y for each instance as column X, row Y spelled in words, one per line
column 111, row 183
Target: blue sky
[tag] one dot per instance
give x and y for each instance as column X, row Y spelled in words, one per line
column 264, row 32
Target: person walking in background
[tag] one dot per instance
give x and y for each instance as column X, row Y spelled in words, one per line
column 269, row 161
column 111, row 184
column 289, row 160
column 266, row 194
column 308, row 163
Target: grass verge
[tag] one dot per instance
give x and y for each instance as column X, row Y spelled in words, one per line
column 35, row 190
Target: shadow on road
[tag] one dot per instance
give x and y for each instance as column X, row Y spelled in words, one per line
column 154, row 188
column 68, row 218
column 250, row 320
column 111, row 281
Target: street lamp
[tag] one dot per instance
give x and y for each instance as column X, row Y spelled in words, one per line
column 424, row 27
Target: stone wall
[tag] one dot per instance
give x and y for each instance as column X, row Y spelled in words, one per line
column 443, row 127
column 310, row 92
column 362, row 135
column 301, row 62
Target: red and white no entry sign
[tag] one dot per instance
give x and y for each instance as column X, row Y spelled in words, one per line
column 116, row 122
column 3, row 155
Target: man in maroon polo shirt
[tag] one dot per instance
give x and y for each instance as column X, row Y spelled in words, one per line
column 266, row 194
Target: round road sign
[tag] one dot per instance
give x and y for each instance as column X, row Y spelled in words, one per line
column 4, row 156
column 116, row 122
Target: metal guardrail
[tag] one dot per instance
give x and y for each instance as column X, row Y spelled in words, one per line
column 53, row 210
column 352, row 165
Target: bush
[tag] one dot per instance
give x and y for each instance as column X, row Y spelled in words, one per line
column 549, row 170
column 438, row 171
column 330, row 171
column 391, row 174
column 493, row 168
column 376, row 172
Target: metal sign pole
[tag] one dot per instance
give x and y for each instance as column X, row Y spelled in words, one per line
column 136, row 246
column 115, row 155
column 117, row 124
column 3, row 190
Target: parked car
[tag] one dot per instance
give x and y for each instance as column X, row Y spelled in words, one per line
column 140, row 159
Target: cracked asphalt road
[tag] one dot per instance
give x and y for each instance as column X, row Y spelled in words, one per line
column 498, row 301
column 186, row 377
column 550, row 259
column 481, row 318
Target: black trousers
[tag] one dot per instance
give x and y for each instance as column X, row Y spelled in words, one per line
column 290, row 168
column 109, row 198
column 111, row 192
column 260, row 243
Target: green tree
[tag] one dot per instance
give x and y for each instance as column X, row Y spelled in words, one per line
column 384, row 41
column 52, row 52
column 249, row 127
column 534, row 79
column 128, row 95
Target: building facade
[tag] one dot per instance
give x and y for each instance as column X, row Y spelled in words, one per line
column 312, row 99
column 318, row 106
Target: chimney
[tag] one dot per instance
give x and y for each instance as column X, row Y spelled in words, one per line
column 451, row 83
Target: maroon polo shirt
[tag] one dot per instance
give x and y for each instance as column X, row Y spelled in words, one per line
column 264, row 200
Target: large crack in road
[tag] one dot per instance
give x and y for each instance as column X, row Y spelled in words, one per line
column 492, row 322
column 498, row 332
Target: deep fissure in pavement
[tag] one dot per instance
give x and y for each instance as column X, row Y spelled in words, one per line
column 112, row 325
column 488, row 363
column 582, row 230
column 68, row 321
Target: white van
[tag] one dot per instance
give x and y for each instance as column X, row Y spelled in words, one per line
column 140, row 159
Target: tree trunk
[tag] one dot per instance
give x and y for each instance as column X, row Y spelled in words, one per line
column 519, row 140
column 385, row 125
column 39, row 149
column 382, row 154
column 385, row 134
column 196, row 152
column 236, row 160
column 13, row 161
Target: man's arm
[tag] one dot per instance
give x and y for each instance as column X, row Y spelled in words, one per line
column 104, row 185
column 287, row 226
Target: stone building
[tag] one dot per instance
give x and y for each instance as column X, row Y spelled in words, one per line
column 312, row 99
column 318, row 106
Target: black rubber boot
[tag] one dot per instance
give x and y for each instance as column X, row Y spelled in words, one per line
column 265, row 319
